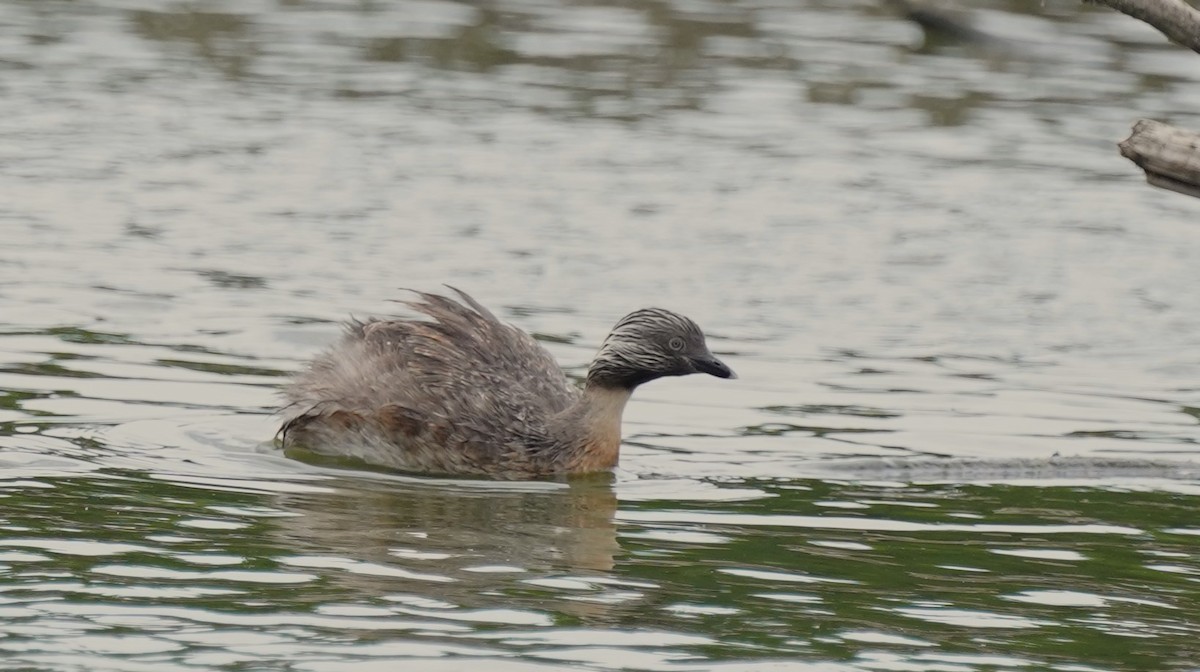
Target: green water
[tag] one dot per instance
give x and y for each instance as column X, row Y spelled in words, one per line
column 148, row 572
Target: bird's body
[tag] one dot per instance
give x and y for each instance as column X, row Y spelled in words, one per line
column 463, row 393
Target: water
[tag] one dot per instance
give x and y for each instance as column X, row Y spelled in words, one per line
column 965, row 433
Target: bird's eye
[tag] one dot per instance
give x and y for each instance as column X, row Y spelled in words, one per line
column 676, row 343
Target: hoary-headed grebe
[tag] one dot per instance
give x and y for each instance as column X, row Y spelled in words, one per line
column 462, row 393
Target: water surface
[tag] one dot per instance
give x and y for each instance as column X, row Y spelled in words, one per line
column 964, row 435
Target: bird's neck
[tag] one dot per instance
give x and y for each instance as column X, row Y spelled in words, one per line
column 593, row 425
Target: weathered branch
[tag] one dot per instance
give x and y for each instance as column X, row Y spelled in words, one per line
column 1170, row 156
column 1176, row 19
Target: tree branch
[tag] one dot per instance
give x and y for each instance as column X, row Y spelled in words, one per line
column 1170, row 156
column 1176, row 19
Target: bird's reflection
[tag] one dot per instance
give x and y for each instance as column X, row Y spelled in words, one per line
column 453, row 540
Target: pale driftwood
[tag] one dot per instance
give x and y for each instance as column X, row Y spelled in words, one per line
column 1169, row 155
column 1176, row 19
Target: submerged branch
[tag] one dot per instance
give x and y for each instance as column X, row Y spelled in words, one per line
column 1169, row 155
column 1176, row 19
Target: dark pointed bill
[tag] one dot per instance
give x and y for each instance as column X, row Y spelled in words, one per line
column 713, row 367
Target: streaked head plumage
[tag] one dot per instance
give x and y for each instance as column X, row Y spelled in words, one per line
column 651, row 343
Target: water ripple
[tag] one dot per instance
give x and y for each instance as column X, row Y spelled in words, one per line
column 965, row 435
